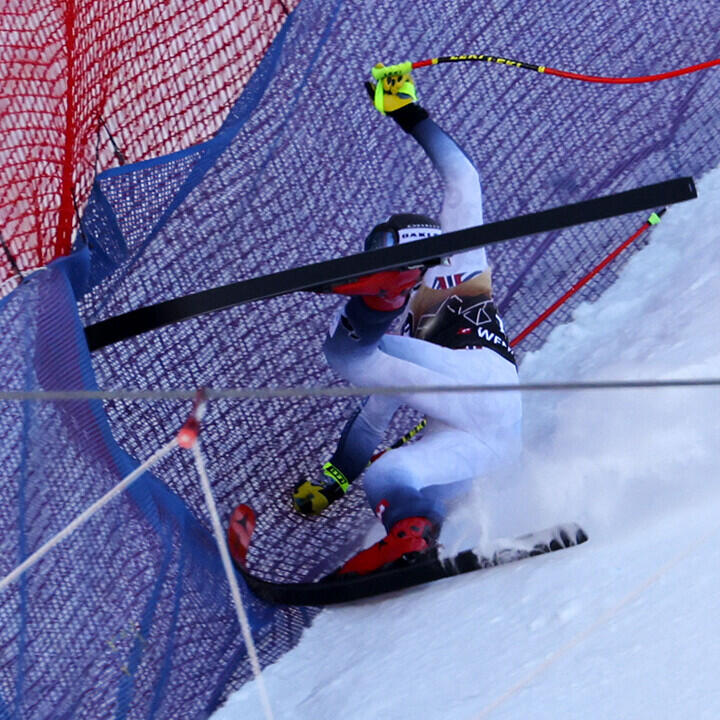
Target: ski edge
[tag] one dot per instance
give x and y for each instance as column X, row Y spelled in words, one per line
column 335, row 591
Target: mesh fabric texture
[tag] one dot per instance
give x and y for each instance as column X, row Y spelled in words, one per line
column 299, row 170
column 80, row 78
column 304, row 166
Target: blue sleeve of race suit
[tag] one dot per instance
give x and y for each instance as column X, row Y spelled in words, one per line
column 462, row 191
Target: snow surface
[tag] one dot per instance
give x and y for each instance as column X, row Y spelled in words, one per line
column 625, row 626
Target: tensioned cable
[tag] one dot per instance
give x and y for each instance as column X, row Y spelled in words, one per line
column 323, row 391
column 86, row 515
column 232, row 580
column 217, row 531
column 10, row 257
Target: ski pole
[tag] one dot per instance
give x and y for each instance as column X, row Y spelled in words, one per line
column 380, row 72
column 406, row 438
column 654, row 219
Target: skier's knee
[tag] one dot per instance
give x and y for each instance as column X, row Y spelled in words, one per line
column 389, row 473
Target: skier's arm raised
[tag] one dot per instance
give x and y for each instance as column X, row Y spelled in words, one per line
column 462, row 201
column 466, row 273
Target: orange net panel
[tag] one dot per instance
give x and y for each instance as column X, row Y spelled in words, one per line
column 86, row 84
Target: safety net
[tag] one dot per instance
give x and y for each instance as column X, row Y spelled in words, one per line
column 81, row 78
column 296, row 171
column 128, row 617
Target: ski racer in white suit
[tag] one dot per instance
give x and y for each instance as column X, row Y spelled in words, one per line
column 452, row 336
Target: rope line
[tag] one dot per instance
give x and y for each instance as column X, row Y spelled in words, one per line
column 85, row 515
column 232, row 580
column 324, row 391
column 35, row 557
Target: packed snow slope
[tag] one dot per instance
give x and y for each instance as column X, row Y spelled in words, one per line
column 625, row 626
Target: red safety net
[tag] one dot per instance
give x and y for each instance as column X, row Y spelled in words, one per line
column 85, row 85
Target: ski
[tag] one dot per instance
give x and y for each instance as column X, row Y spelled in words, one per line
column 320, row 277
column 332, row 590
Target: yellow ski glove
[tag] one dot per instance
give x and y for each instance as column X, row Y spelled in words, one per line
column 394, row 87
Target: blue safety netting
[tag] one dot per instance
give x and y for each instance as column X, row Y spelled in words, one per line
column 129, row 616
column 134, row 605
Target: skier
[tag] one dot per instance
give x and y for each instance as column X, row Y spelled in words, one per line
column 452, row 335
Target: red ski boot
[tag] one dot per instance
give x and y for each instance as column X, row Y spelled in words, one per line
column 240, row 530
column 407, row 541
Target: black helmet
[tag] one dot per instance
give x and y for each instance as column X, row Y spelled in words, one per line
column 401, row 228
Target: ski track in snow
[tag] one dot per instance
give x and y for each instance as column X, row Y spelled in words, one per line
column 624, row 626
